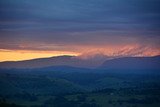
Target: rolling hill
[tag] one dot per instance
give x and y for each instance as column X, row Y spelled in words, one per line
column 53, row 61
column 132, row 63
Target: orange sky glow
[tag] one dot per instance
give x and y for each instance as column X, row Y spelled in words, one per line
column 16, row 55
column 83, row 52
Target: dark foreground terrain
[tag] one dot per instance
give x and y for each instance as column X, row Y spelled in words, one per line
column 121, row 82
column 70, row 87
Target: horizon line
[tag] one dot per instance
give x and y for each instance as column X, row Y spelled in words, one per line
column 78, row 56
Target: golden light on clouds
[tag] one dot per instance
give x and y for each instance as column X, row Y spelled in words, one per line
column 81, row 51
column 16, row 55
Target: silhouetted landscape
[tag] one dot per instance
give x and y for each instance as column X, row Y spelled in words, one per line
column 79, row 53
column 127, row 82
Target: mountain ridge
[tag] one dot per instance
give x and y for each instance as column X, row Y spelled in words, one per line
column 65, row 60
column 74, row 61
column 132, row 63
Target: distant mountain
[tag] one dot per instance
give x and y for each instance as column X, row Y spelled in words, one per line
column 74, row 63
column 53, row 61
column 132, row 63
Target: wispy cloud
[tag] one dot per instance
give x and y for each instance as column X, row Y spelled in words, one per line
column 80, row 26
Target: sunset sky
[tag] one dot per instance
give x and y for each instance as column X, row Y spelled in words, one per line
column 43, row 28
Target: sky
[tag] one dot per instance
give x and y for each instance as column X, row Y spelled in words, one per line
column 43, row 28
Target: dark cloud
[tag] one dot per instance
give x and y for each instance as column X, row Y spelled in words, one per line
column 77, row 22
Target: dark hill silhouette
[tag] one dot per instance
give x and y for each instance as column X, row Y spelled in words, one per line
column 132, row 63
column 62, row 62
column 67, row 69
column 52, row 61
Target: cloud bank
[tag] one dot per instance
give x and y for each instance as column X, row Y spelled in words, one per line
column 111, row 26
